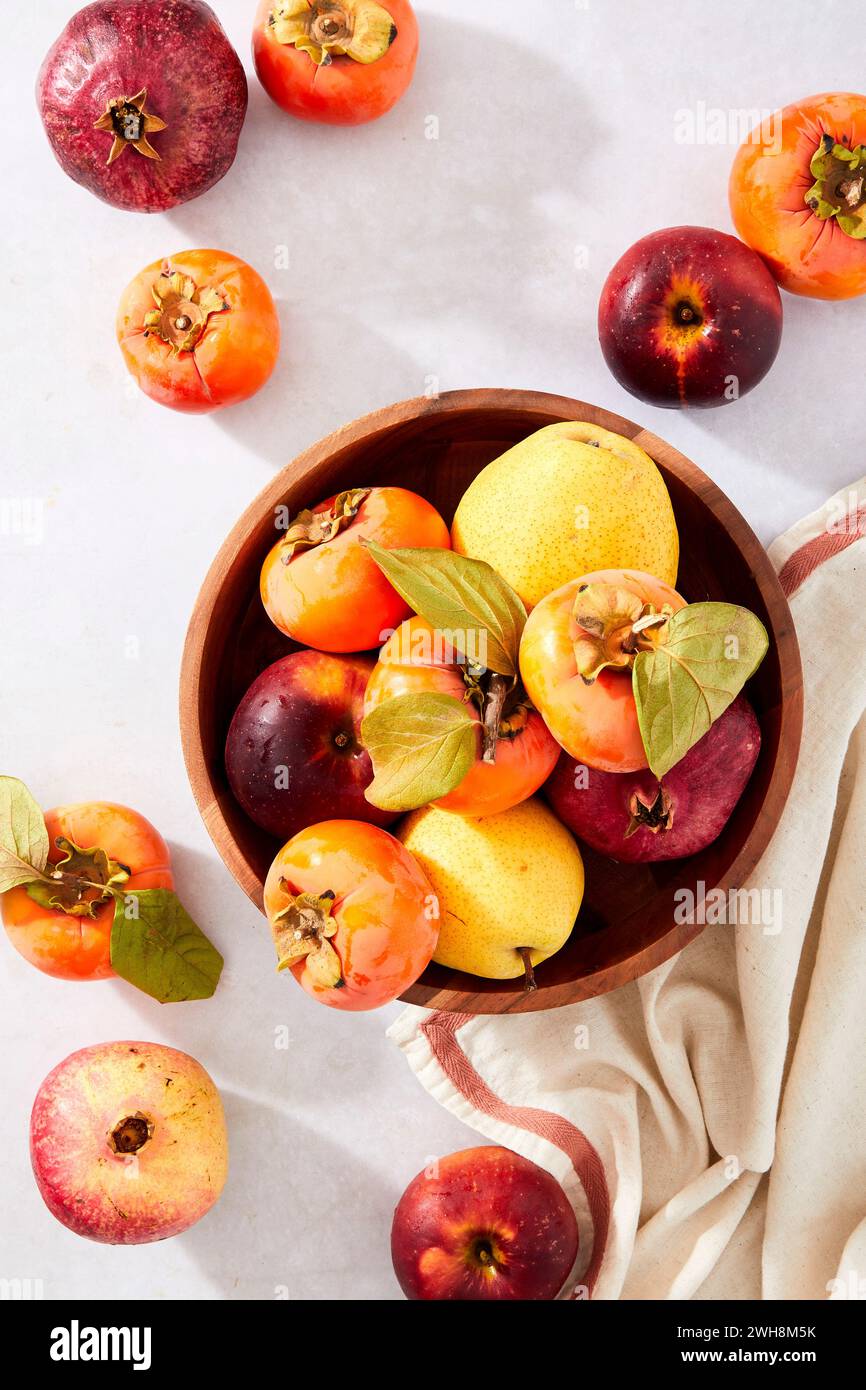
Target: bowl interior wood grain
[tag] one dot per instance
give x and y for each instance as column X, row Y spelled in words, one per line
column 627, row 924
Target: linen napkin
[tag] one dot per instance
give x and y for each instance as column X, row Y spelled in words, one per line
column 708, row 1121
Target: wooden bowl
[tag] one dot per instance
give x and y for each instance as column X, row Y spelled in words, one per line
column 436, row 447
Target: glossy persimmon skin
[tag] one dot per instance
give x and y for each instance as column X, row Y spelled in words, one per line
column 769, row 180
column 384, row 908
column 334, row 596
column 78, row 948
column 414, row 662
column 343, row 92
column 234, row 356
column 596, row 723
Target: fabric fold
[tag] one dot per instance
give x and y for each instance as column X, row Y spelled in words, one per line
column 662, row 1106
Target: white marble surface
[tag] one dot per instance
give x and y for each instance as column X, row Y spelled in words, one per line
column 473, row 259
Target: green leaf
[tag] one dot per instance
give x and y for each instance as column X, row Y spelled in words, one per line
column 23, row 836
column 681, row 688
column 464, row 599
column 421, row 746
column 156, row 946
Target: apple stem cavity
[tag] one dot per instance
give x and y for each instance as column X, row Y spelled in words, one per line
column 529, row 985
column 686, row 313
column 484, row 1255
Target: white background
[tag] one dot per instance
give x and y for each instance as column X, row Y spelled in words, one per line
column 476, row 260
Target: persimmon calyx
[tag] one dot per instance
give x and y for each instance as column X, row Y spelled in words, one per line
column 839, row 189
column 302, row 931
column 653, row 814
column 79, row 882
column 126, row 119
column 328, row 29
column 182, row 310
column 613, row 626
column 309, row 529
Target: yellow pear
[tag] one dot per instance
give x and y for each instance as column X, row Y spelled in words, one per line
column 504, row 884
column 566, row 501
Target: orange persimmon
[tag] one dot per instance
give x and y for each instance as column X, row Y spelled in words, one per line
column 77, row 947
column 341, row 62
column 320, row 585
column 416, row 660
column 579, row 676
column 798, row 195
column 199, row 331
column 353, row 915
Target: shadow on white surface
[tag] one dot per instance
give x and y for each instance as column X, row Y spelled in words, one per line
column 447, row 238
column 300, row 1214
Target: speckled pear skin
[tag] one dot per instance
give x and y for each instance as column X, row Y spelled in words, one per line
column 567, row 500
column 511, row 880
column 195, row 82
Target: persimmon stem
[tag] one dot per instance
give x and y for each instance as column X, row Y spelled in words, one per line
column 493, row 706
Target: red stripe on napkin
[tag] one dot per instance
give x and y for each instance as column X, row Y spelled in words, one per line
column 440, row 1030
column 813, row 553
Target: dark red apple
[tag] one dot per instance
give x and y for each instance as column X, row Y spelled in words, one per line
column 634, row 818
column 689, row 317
column 143, row 101
column 483, row 1224
column 293, row 752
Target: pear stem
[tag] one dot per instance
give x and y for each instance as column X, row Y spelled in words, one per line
column 529, row 974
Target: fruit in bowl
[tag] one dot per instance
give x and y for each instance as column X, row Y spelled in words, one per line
column 320, row 586
column 294, row 754
column 143, row 101
column 570, row 498
column 353, row 916
column 637, row 819
column 198, row 331
column 589, row 706
column 798, row 195
column 484, row 1223
column 510, row 750
column 689, row 317
column 128, row 1142
column 87, row 893
column 627, row 675
column 342, row 62
column 508, row 887
column 436, row 449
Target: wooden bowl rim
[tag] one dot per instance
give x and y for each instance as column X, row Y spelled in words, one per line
column 496, row 401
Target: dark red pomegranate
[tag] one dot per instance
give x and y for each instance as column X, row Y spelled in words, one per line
column 634, row 818
column 143, row 101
